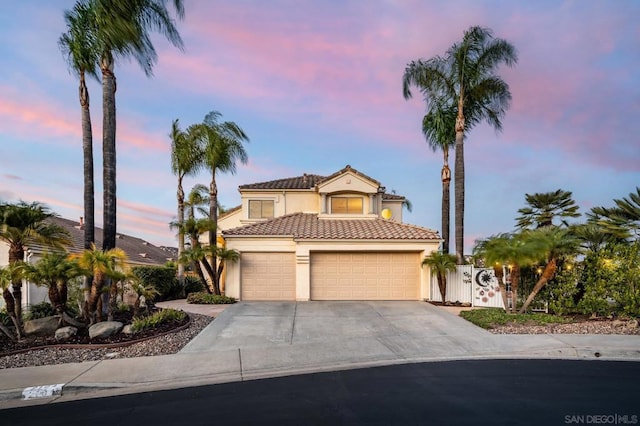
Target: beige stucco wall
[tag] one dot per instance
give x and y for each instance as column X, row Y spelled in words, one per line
column 396, row 210
column 4, row 253
column 229, row 221
column 305, row 202
column 303, row 252
column 348, row 182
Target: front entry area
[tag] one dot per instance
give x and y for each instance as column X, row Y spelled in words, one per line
column 365, row 276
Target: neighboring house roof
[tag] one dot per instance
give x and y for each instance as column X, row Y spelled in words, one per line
column 309, row 226
column 138, row 250
column 230, row 211
column 309, row 181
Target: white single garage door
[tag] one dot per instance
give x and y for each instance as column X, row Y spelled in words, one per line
column 365, row 276
column 268, row 276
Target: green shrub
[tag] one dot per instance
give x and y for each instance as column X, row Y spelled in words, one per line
column 161, row 278
column 5, row 319
column 192, row 285
column 209, row 299
column 123, row 308
column 490, row 317
column 40, row 310
column 165, row 316
column 563, row 290
column 624, row 282
column 595, row 279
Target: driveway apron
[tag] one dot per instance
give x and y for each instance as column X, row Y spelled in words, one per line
column 311, row 335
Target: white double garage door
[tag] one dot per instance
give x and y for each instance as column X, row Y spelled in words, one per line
column 333, row 276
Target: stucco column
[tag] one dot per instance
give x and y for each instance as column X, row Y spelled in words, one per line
column 303, row 274
column 323, row 203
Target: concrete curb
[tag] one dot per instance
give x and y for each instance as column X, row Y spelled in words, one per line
column 93, row 390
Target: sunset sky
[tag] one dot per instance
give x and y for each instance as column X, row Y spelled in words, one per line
column 317, row 85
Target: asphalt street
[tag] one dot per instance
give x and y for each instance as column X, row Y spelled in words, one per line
column 509, row 392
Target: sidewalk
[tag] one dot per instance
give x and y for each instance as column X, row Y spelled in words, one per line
column 258, row 349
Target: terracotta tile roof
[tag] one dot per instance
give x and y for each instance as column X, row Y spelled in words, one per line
column 299, row 182
column 309, row 226
column 349, row 168
column 387, row 196
column 138, row 250
column 309, row 181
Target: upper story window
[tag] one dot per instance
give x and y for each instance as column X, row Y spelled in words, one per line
column 260, row 209
column 346, row 205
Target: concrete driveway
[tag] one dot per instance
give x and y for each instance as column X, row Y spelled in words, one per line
column 267, row 339
column 301, row 335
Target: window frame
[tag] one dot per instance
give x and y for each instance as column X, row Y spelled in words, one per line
column 262, row 209
column 347, row 209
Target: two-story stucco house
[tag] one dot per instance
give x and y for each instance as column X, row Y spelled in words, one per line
column 338, row 237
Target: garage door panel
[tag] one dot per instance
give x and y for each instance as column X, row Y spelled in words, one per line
column 365, row 276
column 268, row 276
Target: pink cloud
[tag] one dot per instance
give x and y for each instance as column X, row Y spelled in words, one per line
column 42, row 118
column 144, row 209
column 11, row 177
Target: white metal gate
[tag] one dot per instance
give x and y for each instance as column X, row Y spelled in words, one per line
column 467, row 284
column 486, row 291
column 459, row 285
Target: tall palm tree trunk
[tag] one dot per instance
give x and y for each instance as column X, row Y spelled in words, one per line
column 89, row 193
column 459, row 182
column 180, row 196
column 446, row 201
column 87, row 150
column 547, row 274
column 213, row 234
column 109, row 151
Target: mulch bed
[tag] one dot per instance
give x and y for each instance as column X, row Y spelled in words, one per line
column 82, row 340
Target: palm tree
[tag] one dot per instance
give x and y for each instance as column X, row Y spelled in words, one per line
column 556, row 243
column 440, row 263
column 101, row 265
column 148, row 292
column 466, row 77
column 121, row 28
column 225, row 255
column 438, row 126
column 514, row 251
column 9, row 274
column 197, row 200
column 543, row 208
column 21, row 225
column 78, row 45
column 621, row 221
column 185, row 160
column 53, row 270
column 222, row 147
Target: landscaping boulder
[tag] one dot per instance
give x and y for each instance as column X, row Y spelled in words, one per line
column 65, row 333
column 105, row 329
column 42, row 326
column 127, row 329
